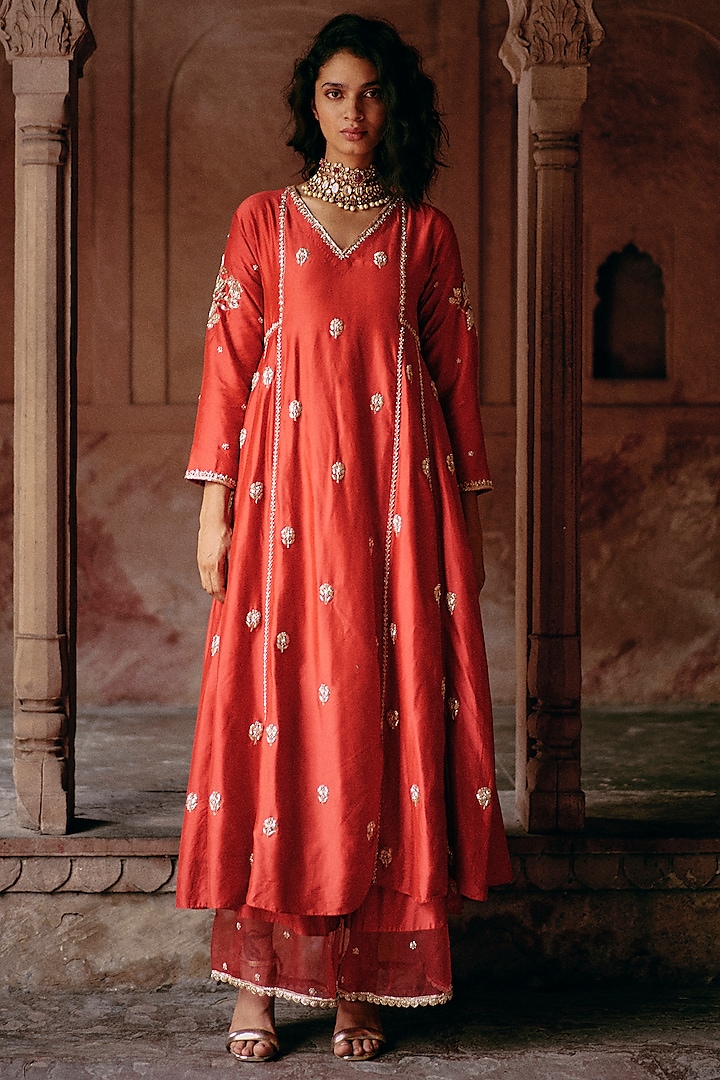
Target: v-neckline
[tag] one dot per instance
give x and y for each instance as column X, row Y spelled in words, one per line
column 341, row 253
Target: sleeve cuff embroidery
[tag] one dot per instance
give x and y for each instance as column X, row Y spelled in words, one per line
column 210, row 477
column 477, row 485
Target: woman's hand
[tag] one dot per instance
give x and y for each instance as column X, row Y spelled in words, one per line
column 214, row 537
column 474, row 528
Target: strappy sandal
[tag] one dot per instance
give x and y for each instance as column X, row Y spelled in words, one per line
column 253, row 1035
column 348, row 1034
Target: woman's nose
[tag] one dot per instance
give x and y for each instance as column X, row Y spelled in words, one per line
column 354, row 108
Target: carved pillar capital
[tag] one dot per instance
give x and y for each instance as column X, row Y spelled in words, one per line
column 543, row 32
column 47, row 28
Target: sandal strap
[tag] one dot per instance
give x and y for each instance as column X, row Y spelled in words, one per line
column 253, row 1035
column 348, row 1034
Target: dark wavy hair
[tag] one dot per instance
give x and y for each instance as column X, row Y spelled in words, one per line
column 410, row 152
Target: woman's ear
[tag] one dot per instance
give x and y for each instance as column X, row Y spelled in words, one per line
column 314, row 110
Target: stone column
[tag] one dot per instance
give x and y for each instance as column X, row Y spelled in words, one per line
column 546, row 49
column 46, row 42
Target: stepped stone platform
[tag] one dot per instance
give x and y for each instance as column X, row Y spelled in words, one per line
column 638, row 894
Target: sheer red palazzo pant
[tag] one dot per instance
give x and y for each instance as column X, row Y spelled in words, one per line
column 391, row 950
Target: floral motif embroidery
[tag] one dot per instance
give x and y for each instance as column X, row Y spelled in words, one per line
column 295, row 408
column 226, row 295
column 393, row 718
column 471, row 453
column 271, row 734
column 286, row 934
column 484, row 797
column 224, row 967
column 270, row 827
column 450, row 463
column 451, row 599
column 371, row 543
column 257, row 490
column 242, row 437
column 409, row 372
column 282, row 641
column 255, row 380
column 426, row 466
column 376, row 402
column 338, row 471
column 454, row 707
column 336, row 328
column 356, row 951
column 215, row 645
column 393, row 632
column 301, row 256
column 385, row 856
column 253, row 618
column 225, row 446
column 267, row 376
column 287, row 535
column 219, row 348
column 370, row 829
column 438, row 593
column 322, row 793
column 238, row 926
column 255, row 731
column 414, row 794
column 397, row 524
column 443, row 687
column 214, row 801
column 191, row 801
column 326, row 592
column 461, row 298
column 413, row 945
column 324, row 693
column 380, row 259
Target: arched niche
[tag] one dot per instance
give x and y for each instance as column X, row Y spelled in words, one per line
column 629, row 317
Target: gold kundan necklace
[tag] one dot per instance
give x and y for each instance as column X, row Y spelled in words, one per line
column 350, row 189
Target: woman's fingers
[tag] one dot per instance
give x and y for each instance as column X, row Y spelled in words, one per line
column 212, row 559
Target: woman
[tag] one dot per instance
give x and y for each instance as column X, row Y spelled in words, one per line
column 342, row 780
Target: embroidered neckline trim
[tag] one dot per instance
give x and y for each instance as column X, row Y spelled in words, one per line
column 342, row 253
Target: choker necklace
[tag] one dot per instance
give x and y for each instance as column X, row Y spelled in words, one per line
column 350, row 189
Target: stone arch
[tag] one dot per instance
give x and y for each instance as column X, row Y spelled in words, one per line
column 629, row 318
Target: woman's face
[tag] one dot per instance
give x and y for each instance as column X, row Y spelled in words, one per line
column 350, row 110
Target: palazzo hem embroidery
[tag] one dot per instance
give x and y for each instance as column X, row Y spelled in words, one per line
column 331, row 1003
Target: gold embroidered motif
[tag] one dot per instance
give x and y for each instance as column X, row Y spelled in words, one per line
column 287, row 535
column 336, row 328
column 370, row 829
column 397, row 524
column 214, row 801
column 323, row 693
column 385, row 856
column 338, row 471
column 393, row 718
column 376, row 402
column 238, row 926
column 255, row 380
column 434, row 389
column 267, row 376
column 255, row 731
column 451, row 599
column 393, row 632
column 215, row 645
column 380, row 259
column 326, row 592
column 282, row 641
column 295, row 409
column 443, row 687
column 226, row 295
column 414, row 794
column 356, row 951
column 225, row 446
column 191, row 801
column 437, row 593
column 286, row 934
column 270, row 827
column 450, row 463
column 322, row 793
column 257, row 490
column 413, row 945
column 271, row 733
column 253, row 618
column 461, row 298
column 371, row 543
column 213, row 477
column 409, row 372
column 471, row 453
column 454, row 707
column 242, row 437
column 477, row 485
column 301, row 256
column 484, row 797
column 426, row 467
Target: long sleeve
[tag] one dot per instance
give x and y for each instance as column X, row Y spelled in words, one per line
column 233, row 348
column 449, row 345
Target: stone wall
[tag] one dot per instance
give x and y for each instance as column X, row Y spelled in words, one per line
column 181, row 118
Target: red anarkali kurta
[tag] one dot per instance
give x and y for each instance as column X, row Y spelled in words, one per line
column 344, row 733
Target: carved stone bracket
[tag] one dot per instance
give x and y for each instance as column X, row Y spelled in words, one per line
column 56, row 28
column 549, row 32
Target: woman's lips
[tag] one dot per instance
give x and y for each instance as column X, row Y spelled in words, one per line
column 353, row 134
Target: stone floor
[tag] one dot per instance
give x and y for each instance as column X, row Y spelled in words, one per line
column 177, row 1034
column 646, row 772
